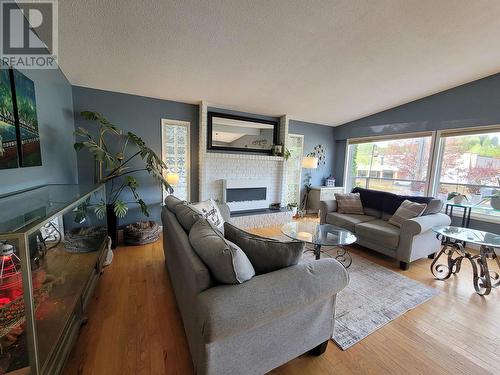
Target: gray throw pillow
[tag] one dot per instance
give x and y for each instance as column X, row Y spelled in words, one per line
column 349, row 203
column 186, row 215
column 265, row 254
column 171, row 202
column 407, row 210
column 435, row 206
column 227, row 263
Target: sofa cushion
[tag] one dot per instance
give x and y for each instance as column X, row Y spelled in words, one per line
column 372, row 212
column 349, row 203
column 265, row 254
column 371, row 198
column 407, row 210
column 171, row 202
column 380, row 232
column 227, row 263
column 347, row 221
column 392, row 203
column 433, row 207
column 385, row 201
column 186, row 215
column 210, row 211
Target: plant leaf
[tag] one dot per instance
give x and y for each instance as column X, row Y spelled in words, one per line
column 120, row 209
column 100, row 210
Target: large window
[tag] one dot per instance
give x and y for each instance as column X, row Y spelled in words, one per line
column 470, row 165
column 175, row 154
column 399, row 166
column 437, row 163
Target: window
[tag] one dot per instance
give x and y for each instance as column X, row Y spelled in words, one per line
column 466, row 161
column 470, row 165
column 294, row 144
column 175, row 154
column 398, row 165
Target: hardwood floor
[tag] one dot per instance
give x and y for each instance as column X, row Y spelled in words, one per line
column 134, row 327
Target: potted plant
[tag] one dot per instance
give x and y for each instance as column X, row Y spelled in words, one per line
column 113, row 167
column 495, row 197
column 293, row 207
column 286, row 154
column 458, row 198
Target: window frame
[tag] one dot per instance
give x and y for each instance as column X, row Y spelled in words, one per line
column 434, row 168
column 301, row 136
column 372, row 139
column 186, row 124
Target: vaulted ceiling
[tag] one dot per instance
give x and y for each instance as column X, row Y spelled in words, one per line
column 319, row 61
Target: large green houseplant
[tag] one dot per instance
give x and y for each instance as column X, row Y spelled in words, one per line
column 113, row 151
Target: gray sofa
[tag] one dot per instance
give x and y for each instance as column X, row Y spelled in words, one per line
column 414, row 240
column 254, row 327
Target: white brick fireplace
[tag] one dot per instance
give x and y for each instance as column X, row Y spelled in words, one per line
column 265, row 170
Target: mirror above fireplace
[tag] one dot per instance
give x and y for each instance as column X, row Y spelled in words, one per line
column 242, row 134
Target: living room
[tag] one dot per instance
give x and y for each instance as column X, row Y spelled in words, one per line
column 247, row 187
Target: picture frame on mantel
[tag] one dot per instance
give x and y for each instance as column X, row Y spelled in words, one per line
column 241, row 134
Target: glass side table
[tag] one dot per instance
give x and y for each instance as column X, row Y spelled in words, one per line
column 453, row 249
column 322, row 235
column 467, row 208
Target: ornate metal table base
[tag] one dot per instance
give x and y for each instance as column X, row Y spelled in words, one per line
column 343, row 255
column 484, row 279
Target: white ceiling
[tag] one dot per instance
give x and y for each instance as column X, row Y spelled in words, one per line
column 319, row 61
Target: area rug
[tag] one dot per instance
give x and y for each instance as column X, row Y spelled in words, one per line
column 374, row 297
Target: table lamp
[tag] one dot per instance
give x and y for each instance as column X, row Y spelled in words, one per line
column 309, row 162
column 172, row 179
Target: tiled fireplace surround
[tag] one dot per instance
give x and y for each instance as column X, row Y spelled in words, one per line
column 217, row 166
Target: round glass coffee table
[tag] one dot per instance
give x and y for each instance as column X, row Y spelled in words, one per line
column 453, row 239
column 322, row 235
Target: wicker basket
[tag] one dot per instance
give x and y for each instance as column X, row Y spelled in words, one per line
column 141, row 233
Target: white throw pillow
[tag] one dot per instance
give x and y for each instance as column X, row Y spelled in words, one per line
column 211, row 212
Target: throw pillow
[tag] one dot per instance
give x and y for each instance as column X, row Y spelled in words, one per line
column 349, row 203
column 265, row 254
column 210, row 211
column 407, row 210
column 186, row 215
column 171, row 202
column 227, row 263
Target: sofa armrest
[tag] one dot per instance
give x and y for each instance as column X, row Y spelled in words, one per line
column 325, row 207
column 228, row 310
column 422, row 224
column 224, row 211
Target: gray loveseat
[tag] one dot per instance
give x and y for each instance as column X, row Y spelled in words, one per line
column 414, row 240
column 256, row 326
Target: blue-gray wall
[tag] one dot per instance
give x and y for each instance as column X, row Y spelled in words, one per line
column 142, row 116
column 473, row 104
column 55, row 121
column 316, row 134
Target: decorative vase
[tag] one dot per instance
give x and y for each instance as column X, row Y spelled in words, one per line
column 495, row 203
column 458, row 199
column 294, row 211
column 112, row 221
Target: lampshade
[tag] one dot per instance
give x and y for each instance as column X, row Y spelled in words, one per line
column 173, row 178
column 309, row 162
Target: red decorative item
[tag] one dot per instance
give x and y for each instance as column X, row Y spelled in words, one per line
column 10, row 277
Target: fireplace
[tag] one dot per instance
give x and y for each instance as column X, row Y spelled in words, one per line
column 245, row 195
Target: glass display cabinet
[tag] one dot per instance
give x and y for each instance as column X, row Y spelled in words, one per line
column 53, row 242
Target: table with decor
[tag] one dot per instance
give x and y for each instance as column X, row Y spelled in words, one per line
column 322, row 235
column 454, row 252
